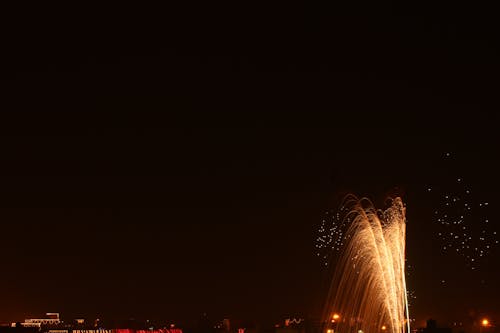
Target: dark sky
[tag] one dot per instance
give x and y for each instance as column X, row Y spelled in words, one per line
column 168, row 162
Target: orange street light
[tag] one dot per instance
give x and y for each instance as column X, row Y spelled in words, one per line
column 485, row 322
column 335, row 317
column 383, row 328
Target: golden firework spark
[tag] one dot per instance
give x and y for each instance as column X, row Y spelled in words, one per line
column 369, row 287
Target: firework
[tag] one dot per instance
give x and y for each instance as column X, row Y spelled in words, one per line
column 369, row 287
column 462, row 218
column 331, row 234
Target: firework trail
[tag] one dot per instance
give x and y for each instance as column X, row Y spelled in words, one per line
column 369, row 287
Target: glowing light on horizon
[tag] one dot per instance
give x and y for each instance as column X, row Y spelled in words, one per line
column 369, row 286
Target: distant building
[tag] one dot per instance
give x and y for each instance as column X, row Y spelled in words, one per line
column 226, row 324
column 298, row 325
column 433, row 328
column 51, row 319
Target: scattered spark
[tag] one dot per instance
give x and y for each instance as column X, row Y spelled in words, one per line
column 463, row 221
column 331, row 234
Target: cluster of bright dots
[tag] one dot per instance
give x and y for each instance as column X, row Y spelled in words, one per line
column 411, row 297
column 331, row 234
column 464, row 226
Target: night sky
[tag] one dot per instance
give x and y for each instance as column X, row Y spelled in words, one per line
column 163, row 163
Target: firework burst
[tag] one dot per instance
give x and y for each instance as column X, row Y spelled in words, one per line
column 462, row 217
column 369, row 285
